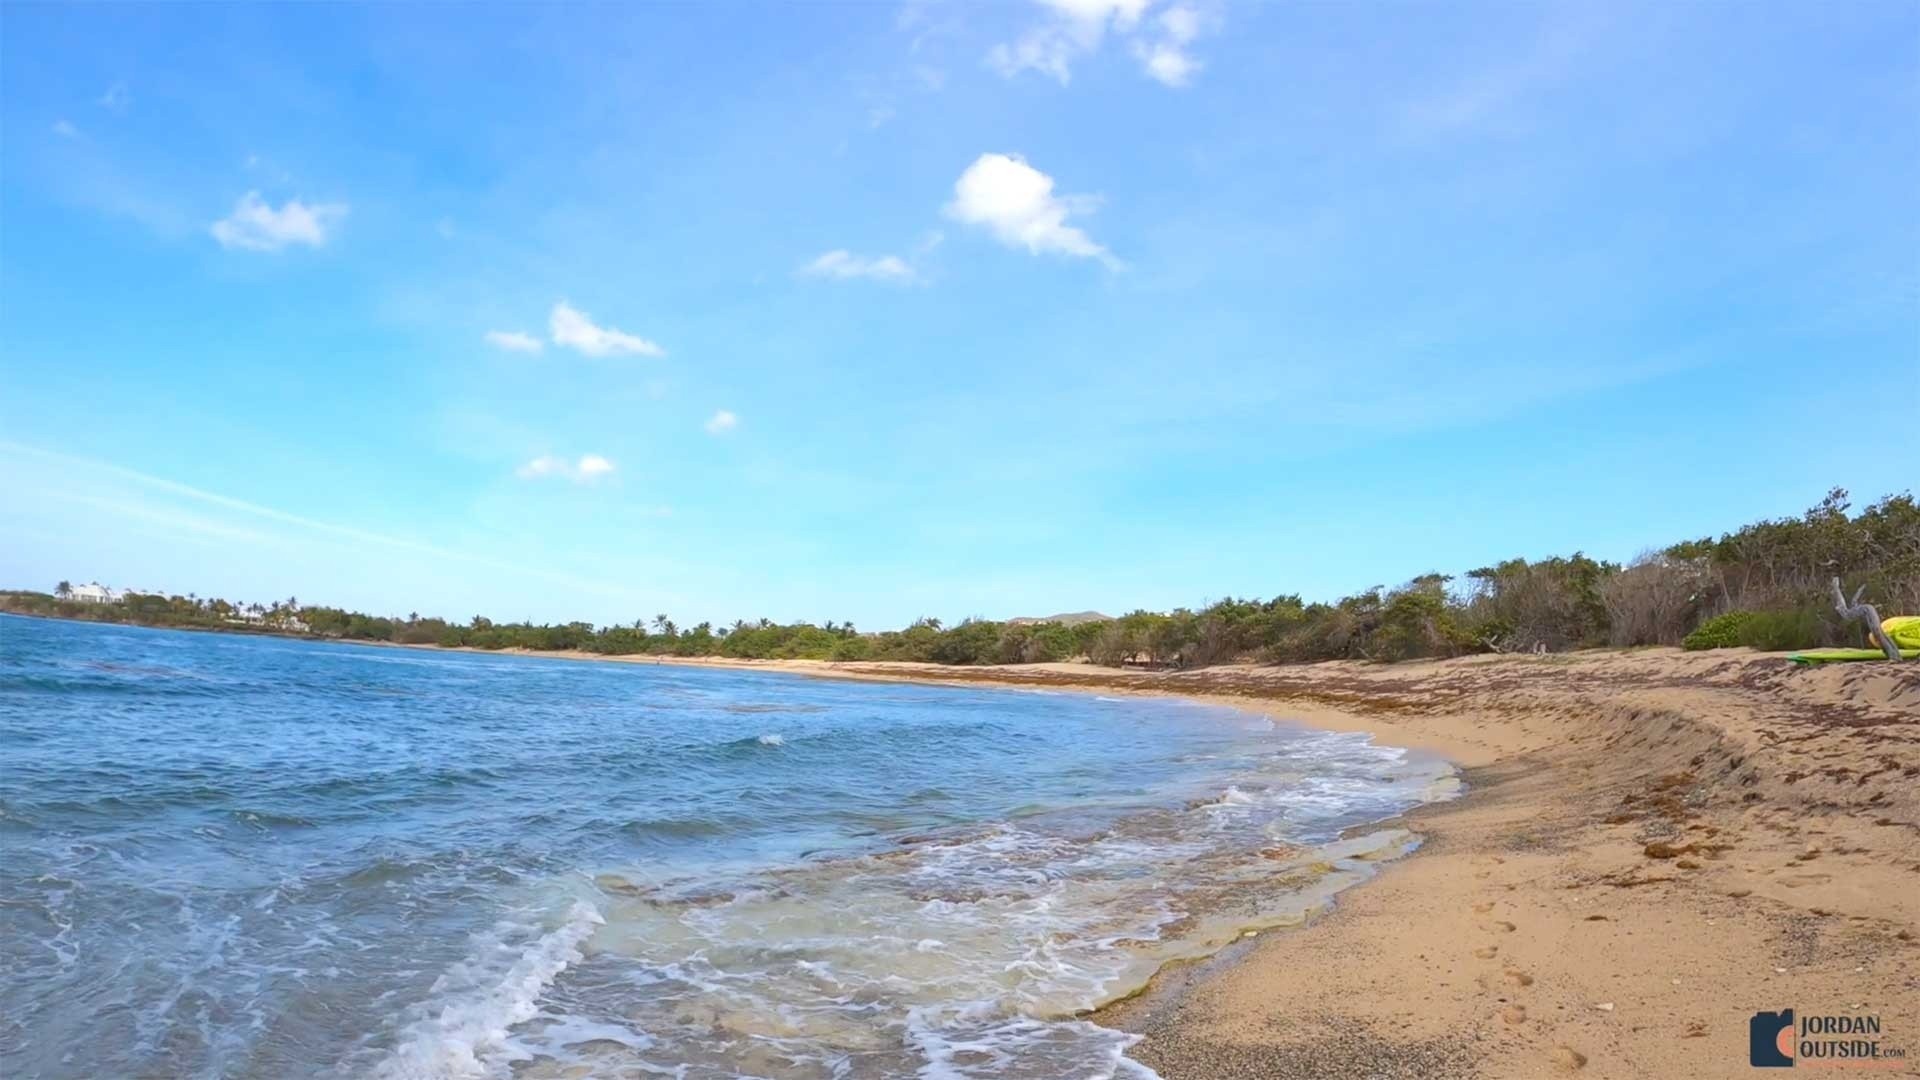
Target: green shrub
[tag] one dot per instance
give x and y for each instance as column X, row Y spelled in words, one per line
column 1719, row 632
column 1770, row 631
column 852, row 648
column 1774, row 631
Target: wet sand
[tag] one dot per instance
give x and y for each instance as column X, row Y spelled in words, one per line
column 1655, row 845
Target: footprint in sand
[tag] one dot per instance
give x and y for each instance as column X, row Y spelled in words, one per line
column 1567, row 1059
column 1483, row 908
column 1514, row 1014
column 1486, row 952
column 1503, row 926
column 1508, row 977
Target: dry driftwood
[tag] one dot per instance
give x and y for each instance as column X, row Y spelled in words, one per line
column 1866, row 613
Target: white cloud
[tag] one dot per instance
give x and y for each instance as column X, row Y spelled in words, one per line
column 589, row 468
column 1169, row 64
column 575, row 329
column 116, row 99
column 1168, row 59
column 843, row 265
column 514, row 341
column 1073, row 29
column 544, row 465
column 257, row 226
column 722, row 422
column 65, row 130
column 1049, row 49
column 1015, row 201
column 1182, row 24
column 1123, row 12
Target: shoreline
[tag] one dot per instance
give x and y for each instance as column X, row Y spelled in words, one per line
column 1652, row 846
column 1069, row 677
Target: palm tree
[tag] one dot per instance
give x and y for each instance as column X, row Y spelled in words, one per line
column 413, row 616
column 64, row 589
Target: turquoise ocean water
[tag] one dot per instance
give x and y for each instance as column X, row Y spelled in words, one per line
column 229, row 856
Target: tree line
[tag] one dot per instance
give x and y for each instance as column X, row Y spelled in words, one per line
column 1774, row 573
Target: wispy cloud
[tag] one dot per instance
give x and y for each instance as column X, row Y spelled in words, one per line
column 1015, row 202
column 1494, row 96
column 1165, row 54
column 575, row 329
column 81, row 471
column 514, row 341
column 65, row 130
column 183, row 523
column 844, row 265
column 721, row 422
column 116, row 99
column 255, row 225
column 1071, row 30
column 587, row 469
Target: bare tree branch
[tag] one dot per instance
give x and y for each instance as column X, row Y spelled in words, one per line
column 1865, row 613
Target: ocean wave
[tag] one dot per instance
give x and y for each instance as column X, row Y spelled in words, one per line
column 849, row 881
column 1024, row 1047
column 465, row 1029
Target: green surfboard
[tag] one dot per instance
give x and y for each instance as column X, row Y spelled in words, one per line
column 1831, row 656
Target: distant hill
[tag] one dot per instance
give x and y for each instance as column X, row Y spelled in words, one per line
column 1070, row 619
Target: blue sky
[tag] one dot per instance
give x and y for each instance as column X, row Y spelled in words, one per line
column 872, row 312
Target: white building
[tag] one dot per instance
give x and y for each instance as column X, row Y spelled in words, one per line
column 93, row 593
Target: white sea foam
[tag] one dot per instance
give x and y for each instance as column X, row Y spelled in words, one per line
column 942, row 888
column 970, row 1043
column 465, row 1032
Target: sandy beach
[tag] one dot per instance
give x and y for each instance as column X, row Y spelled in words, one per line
column 1655, row 845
